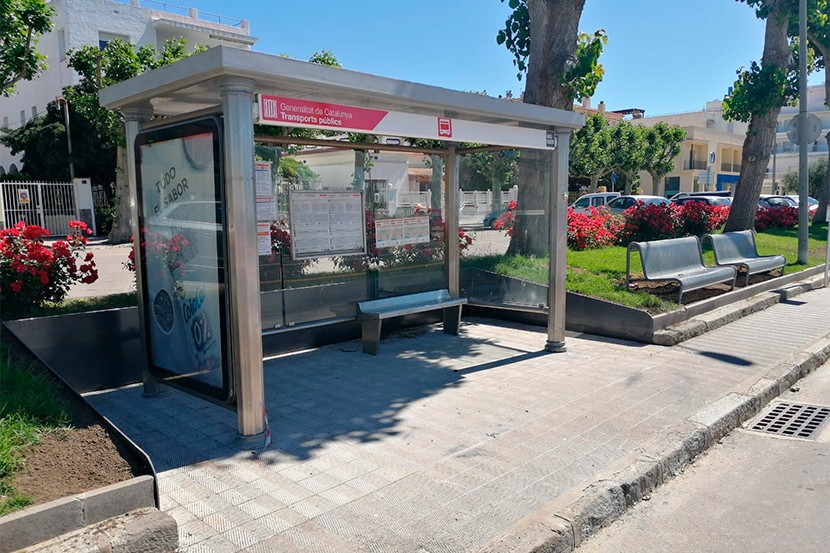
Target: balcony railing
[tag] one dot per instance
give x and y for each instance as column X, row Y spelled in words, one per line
column 731, row 167
column 694, row 164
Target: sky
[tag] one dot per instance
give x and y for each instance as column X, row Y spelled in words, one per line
column 663, row 56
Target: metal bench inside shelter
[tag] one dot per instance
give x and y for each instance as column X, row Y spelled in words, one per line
column 372, row 313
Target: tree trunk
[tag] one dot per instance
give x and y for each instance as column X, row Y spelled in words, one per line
column 553, row 36
column 359, row 181
column 761, row 134
column 594, row 183
column 530, row 230
column 435, row 183
column 122, row 228
column 656, row 181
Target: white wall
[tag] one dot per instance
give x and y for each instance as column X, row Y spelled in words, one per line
column 80, row 22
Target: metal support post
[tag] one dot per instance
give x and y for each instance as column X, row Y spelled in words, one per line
column 243, row 264
column 558, row 232
column 453, row 254
column 133, row 117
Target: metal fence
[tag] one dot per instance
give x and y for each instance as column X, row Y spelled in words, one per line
column 50, row 205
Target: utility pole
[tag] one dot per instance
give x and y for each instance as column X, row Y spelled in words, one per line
column 803, row 219
column 63, row 101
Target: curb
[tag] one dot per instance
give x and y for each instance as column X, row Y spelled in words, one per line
column 40, row 523
column 564, row 524
column 140, row 531
column 717, row 318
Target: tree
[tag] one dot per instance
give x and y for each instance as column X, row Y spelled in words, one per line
column 816, row 179
column 42, row 140
column 21, row 23
column 99, row 69
column 757, row 97
column 561, row 66
column 662, row 144
column 590, row 153
column 628, row 151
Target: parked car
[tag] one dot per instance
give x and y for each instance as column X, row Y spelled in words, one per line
column 491, row 218
column 708, row 200
column 719, row 193
column 618, row 205
column 584, row 203
column 812, row 203
column 200, row 222
column 776, row 201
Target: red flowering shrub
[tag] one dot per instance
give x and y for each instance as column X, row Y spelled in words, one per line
column 595, row 229
column 507, row 220
column 644, row 222
column 772, row 217
column 32, row 272
column 698, row 218
column 174, row 251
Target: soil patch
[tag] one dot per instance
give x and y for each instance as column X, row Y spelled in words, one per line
column 77, row 459
column 668, row 290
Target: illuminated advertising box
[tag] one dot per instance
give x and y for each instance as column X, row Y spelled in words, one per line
column 183, row 256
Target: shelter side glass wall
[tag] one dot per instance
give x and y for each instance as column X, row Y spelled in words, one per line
column 504, row 220
column 400, row 218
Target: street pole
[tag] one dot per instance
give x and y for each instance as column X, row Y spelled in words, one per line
column 61, row 100
column 803, row 219
column 774, row 187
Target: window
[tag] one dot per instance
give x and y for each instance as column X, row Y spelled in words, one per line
column 22, row 117
column 5, row 122
column 34, row 111
column 105, row 38
column 582, row 202
column 672, row 186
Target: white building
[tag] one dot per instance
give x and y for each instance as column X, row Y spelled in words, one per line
column 785, row 152
column 82, row 22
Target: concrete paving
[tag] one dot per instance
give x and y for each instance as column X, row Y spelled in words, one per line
column 447, row 444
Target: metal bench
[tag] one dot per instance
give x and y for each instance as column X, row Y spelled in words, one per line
column 679, row 260
column 372, row 313
column 739, row 250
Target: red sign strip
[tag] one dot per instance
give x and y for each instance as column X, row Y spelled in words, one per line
column 294, row 112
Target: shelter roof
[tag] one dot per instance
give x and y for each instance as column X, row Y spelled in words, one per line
column 193, row 84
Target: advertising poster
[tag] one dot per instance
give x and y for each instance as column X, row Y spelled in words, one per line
column 326, row 223
column 183, row 255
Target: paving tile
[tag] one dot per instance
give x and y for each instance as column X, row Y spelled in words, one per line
column 410, row 451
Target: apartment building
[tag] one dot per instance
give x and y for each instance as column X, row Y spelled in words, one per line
column 82, row 22
column 710, row 158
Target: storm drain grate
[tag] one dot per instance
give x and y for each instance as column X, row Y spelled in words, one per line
column 794, row 420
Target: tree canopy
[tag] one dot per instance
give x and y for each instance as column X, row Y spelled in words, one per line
column 21, row 23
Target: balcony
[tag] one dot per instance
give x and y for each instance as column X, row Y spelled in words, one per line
column 694, row 164
column 730, row 167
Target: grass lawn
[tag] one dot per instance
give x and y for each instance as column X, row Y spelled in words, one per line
column 28, row 408
column 601, row 273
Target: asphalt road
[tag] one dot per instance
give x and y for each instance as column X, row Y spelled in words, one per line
column 751, row 493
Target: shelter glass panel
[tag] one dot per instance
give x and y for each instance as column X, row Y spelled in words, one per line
column 400, row 230
column 505, row 243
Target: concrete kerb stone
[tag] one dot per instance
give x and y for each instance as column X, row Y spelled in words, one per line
column 558, row 529
column 41, row 523
column 717, row 318
column 141, row 531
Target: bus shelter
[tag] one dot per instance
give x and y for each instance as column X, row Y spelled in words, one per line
column 270, row 196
